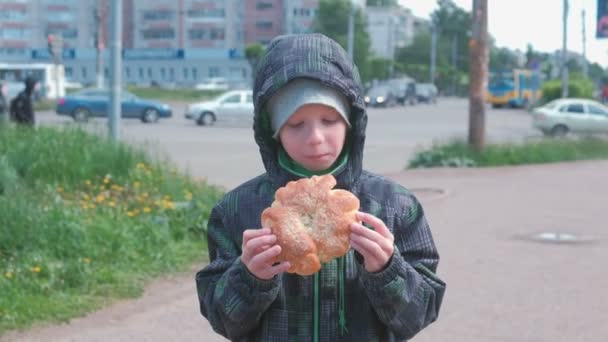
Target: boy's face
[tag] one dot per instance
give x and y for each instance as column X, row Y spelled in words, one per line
column 314, row 136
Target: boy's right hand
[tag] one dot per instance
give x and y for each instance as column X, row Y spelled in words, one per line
column 259, row 253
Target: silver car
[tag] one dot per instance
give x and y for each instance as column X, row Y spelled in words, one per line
column 559, row 117
column 234, row 106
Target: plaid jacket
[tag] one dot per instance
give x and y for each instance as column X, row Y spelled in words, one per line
column 393, row 304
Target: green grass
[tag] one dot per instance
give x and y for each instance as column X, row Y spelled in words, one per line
column 459, row 154
column 184, row 95
column 84, row 221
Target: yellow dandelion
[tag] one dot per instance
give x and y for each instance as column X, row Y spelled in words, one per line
column 100, row 198
column 36, row 269
column 147, row 209
column 106, row 181
column 145, row 194
column 87, row 182
column 86, row 260
column 85, row 206
column 59, row 189
column 112, row 204
column 86, row 197
column 92, row 206
column 168, row 205
column 8, row 275
column 130, row 213
column 136, row 184
column 140, row 166
column 188, row 196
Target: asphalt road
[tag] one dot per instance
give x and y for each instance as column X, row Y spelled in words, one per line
column 227, row 155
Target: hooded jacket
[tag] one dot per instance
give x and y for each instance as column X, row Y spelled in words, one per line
column 342, row 302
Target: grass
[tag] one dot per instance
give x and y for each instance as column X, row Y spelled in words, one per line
column 84, row 221
column 459, row 154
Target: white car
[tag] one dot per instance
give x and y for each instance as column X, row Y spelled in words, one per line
column 234, row 106
column 217, row 83
column 559, row 117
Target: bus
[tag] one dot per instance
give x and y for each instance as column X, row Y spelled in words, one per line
column 50, row 77
column 515, row 88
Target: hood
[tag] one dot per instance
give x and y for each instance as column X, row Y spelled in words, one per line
column 30, row 84
column 312, row 56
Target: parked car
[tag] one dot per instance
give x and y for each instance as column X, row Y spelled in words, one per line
column 216, row 83
column 562, row 116
column 88, row 103
column 381, row 95
column 405, row 90
column 426, row 92
column 232, row 106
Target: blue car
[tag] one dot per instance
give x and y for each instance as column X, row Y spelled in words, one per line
column 89, row 103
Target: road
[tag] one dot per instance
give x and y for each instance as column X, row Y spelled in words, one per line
column 227, row 154
column 503, row 284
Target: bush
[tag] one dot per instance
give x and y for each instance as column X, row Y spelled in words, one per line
column 84, row 220
column 460, row 154
column 577, row 87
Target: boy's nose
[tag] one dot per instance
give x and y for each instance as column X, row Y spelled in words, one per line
column 315, row 135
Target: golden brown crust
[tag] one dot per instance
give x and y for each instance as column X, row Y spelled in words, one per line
column 311, row 222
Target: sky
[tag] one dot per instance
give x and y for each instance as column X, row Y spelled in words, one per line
column 515, row 23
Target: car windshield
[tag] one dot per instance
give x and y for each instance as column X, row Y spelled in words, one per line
column 379, row 91
column 501, row 80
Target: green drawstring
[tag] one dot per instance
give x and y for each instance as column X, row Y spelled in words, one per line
column 341, row 301
column 316, row 309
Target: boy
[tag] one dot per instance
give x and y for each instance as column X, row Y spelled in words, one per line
column 310, row 119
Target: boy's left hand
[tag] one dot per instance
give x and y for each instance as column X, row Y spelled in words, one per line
column 376, row 246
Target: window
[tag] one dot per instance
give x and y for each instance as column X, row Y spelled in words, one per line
column 171, row 74
column 261, row 6
column 157, row 15
column 597, row 110
column 194, row 73
column 13, row 33
column 165, row 33
column 68, row 72
column 162, row 73
column 149, row 72
column 15, row 52
column 264, row 25
column 141, row 72
column 83, row 71
column 128, row 72
column 214, row 72
column 207, row 13
column 233, row 99
column 575, row 108
column 207, row 34
column 185, row 73
column 7, row 14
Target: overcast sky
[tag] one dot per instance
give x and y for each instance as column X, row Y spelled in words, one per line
column 515, row 23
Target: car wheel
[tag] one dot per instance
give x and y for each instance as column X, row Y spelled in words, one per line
column 559, row 131
column 206, row 119
column 81, row 114
column 150, row 115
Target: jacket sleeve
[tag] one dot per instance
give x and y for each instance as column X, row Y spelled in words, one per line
column 230, row 297
column 407, row 294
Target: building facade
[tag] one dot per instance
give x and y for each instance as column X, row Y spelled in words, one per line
column 174, row 42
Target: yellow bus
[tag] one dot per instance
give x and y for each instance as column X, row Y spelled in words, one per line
column 514, row 88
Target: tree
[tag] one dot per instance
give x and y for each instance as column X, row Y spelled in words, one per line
column 253, row 53
column 332, row 21
column 382, row 3
column 453, row 23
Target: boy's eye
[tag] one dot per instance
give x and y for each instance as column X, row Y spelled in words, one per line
column 295, row 124
column 330, row 120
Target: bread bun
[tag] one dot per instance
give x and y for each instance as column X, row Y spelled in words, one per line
column 311, row 222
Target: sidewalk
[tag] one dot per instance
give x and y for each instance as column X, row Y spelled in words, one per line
column 501, row 285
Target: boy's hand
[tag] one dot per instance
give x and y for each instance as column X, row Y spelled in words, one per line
column 376, row 246
column 259, row 253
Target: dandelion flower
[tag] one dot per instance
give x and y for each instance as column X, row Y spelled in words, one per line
column 86, row 260
column 8, row 274
column 36, row 269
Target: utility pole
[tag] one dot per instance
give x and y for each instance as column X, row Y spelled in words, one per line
column 454, row 60
column 565, row 51
column 433, row 51
column 99, row 14
column 116, row 75
column 478, row 73
column 585, row 65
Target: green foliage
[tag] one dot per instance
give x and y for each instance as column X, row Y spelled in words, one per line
column 380, row 68
column 332, row 20
column 382, row 3
column 577, row 87
column 253, row 53
column 84, row 220
column 461, row 154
